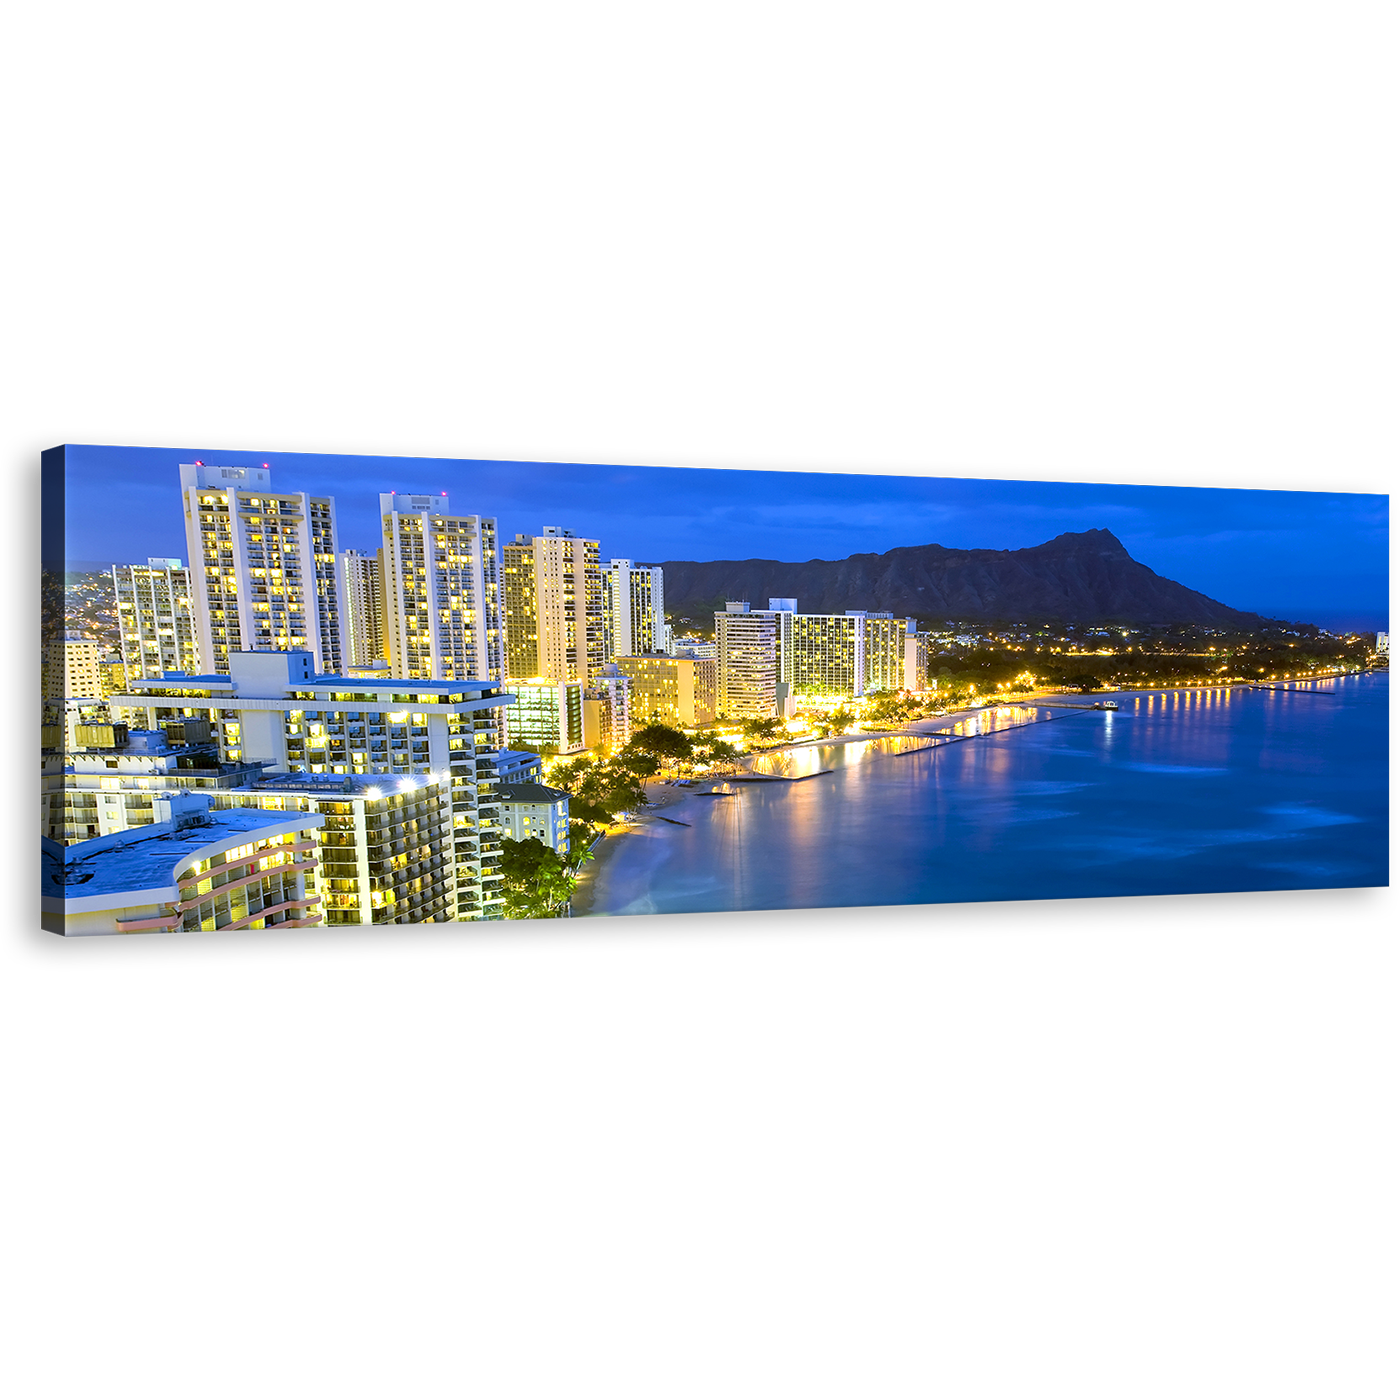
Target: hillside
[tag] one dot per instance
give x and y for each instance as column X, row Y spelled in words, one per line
column 1079, row 577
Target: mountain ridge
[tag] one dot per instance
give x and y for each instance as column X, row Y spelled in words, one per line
column 1078, row 576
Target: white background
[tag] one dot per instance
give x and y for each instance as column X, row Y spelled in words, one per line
column 1165, row 1168
column 1165, row 233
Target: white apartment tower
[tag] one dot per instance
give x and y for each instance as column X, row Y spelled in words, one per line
column 262, row 570
column 363, row 596
column 155, row 611
column 747, row 648
column 553, row 607
column 441, row 610
column 634, row 610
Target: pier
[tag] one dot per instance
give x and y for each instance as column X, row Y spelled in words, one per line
column 1065, row 705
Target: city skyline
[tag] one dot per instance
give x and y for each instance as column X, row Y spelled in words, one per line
column 1314, row 557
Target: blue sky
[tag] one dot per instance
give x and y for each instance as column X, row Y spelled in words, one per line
column 1309, row 556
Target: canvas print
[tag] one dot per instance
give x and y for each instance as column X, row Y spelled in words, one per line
column 284, row 691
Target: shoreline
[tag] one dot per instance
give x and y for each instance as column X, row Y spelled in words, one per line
column 661, row 797
column 919, row 727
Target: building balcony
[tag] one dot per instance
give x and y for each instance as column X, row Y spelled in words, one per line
column 157, row 921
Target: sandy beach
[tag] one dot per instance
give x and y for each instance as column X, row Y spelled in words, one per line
column 662, row 799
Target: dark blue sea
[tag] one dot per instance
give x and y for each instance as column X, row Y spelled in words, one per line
column 1178, row 792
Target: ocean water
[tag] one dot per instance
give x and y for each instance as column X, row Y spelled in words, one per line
column 1177, row 792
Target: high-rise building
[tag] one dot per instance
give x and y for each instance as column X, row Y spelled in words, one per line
column 1382, row 643
column 547, row 714
column 783, row 611
column 73, row 668
column 553, row 586
column 113, row 673
column 441, row 591
column 363, row 607
column 843, row 656
column 747, row 647
column 885, row 637
column 634, row 610
column 108, row 779
column 263, row 573
column 916, row 656
column 190, row 869
column 274, row 710
column 825, row 656
column 674, row 690
column 155, row 612
column 607, row 709
column 386, row 852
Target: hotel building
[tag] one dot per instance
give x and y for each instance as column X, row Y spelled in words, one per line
column 440, row 576
column 109, row 780
column 385, row 847
column 192, row 869
column 73, row 669
column 885, row 637
column 841, row 656
column 674, row 690
column 262, row 567
column 112, row 671
column 607, row 709
column 553, row 602
column 547, row 714
column 916, row 657
column 532, row 811
column 825, row 655
column 274, row 710
column 747, row 647
column 155, row 613
column 363, row 596
column 695, row 647
column 634, row 610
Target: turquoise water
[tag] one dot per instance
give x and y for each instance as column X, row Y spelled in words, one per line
column 1178, row 792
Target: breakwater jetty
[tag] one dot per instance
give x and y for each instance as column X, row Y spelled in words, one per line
column 777, row 777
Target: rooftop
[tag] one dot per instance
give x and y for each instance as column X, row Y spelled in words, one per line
column 529, row 792
column 173, row 680
column 515, row 758
column 147, row 857
column 350, row 784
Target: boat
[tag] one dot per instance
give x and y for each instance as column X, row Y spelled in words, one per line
column 1106, row 705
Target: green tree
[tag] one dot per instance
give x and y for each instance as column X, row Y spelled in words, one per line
column 581, row 836
column 537, row 881
column 636, row 763
column 763, row 730
column 599, row 790
column 711, row 752
column 663, row 743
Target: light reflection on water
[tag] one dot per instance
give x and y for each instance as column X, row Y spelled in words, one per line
column 1176, row 792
